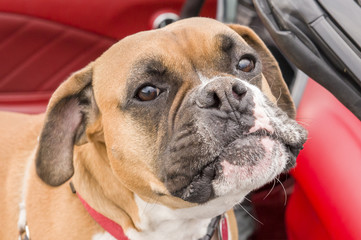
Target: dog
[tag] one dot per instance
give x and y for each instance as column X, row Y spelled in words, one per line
column 158, row 138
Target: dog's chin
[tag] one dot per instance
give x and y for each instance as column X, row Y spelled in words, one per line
column 244, row 165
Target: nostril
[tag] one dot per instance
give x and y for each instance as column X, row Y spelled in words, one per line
column 209, row 100
column 216, row 101
column 238, row 91
column 221, row 93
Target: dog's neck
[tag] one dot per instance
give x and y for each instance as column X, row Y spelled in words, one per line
column 94, row 181
column 139, row 219
column 160, row 222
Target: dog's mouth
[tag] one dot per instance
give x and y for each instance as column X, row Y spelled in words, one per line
column 200, row 189
column 231, row 151
column 245, row 164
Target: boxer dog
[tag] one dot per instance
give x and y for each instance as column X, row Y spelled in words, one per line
column 165, row 131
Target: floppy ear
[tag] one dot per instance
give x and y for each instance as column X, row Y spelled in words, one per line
column 270, row 69
column 69, row 111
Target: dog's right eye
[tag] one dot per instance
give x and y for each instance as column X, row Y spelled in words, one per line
column 147, row 93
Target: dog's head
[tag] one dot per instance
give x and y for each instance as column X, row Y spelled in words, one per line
column 193, row 112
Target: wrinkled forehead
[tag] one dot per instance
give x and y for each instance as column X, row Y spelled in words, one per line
column 190, row 38
column 181, row 46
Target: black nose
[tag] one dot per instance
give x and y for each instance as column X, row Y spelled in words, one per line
column 221, row 92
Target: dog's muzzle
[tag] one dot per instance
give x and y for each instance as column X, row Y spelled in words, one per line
column 228, row 138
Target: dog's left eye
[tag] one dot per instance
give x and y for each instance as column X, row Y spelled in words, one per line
column 148, row 93
column 246, row 64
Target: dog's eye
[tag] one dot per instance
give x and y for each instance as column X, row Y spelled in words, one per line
column 148, row 93
column 246, row 64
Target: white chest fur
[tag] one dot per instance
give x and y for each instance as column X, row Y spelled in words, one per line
column 160, row 222
column 103, row 236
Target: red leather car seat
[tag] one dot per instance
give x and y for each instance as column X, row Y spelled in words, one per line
column 326, row 200
column 42, row 42
column 37, row 55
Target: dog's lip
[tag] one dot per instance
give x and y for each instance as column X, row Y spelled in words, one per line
column 213, row 170
column 292, row 149
column 292, row 153
column 200, row 193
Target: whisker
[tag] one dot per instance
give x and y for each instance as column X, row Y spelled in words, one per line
column 252, row 79
column 269, row 192
column 284, row 190
column 279, row 97
column 254, row 218
column 306, row 124
column 153, row 200
column 249, row 200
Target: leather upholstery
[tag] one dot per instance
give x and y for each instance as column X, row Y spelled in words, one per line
column 37, row 55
